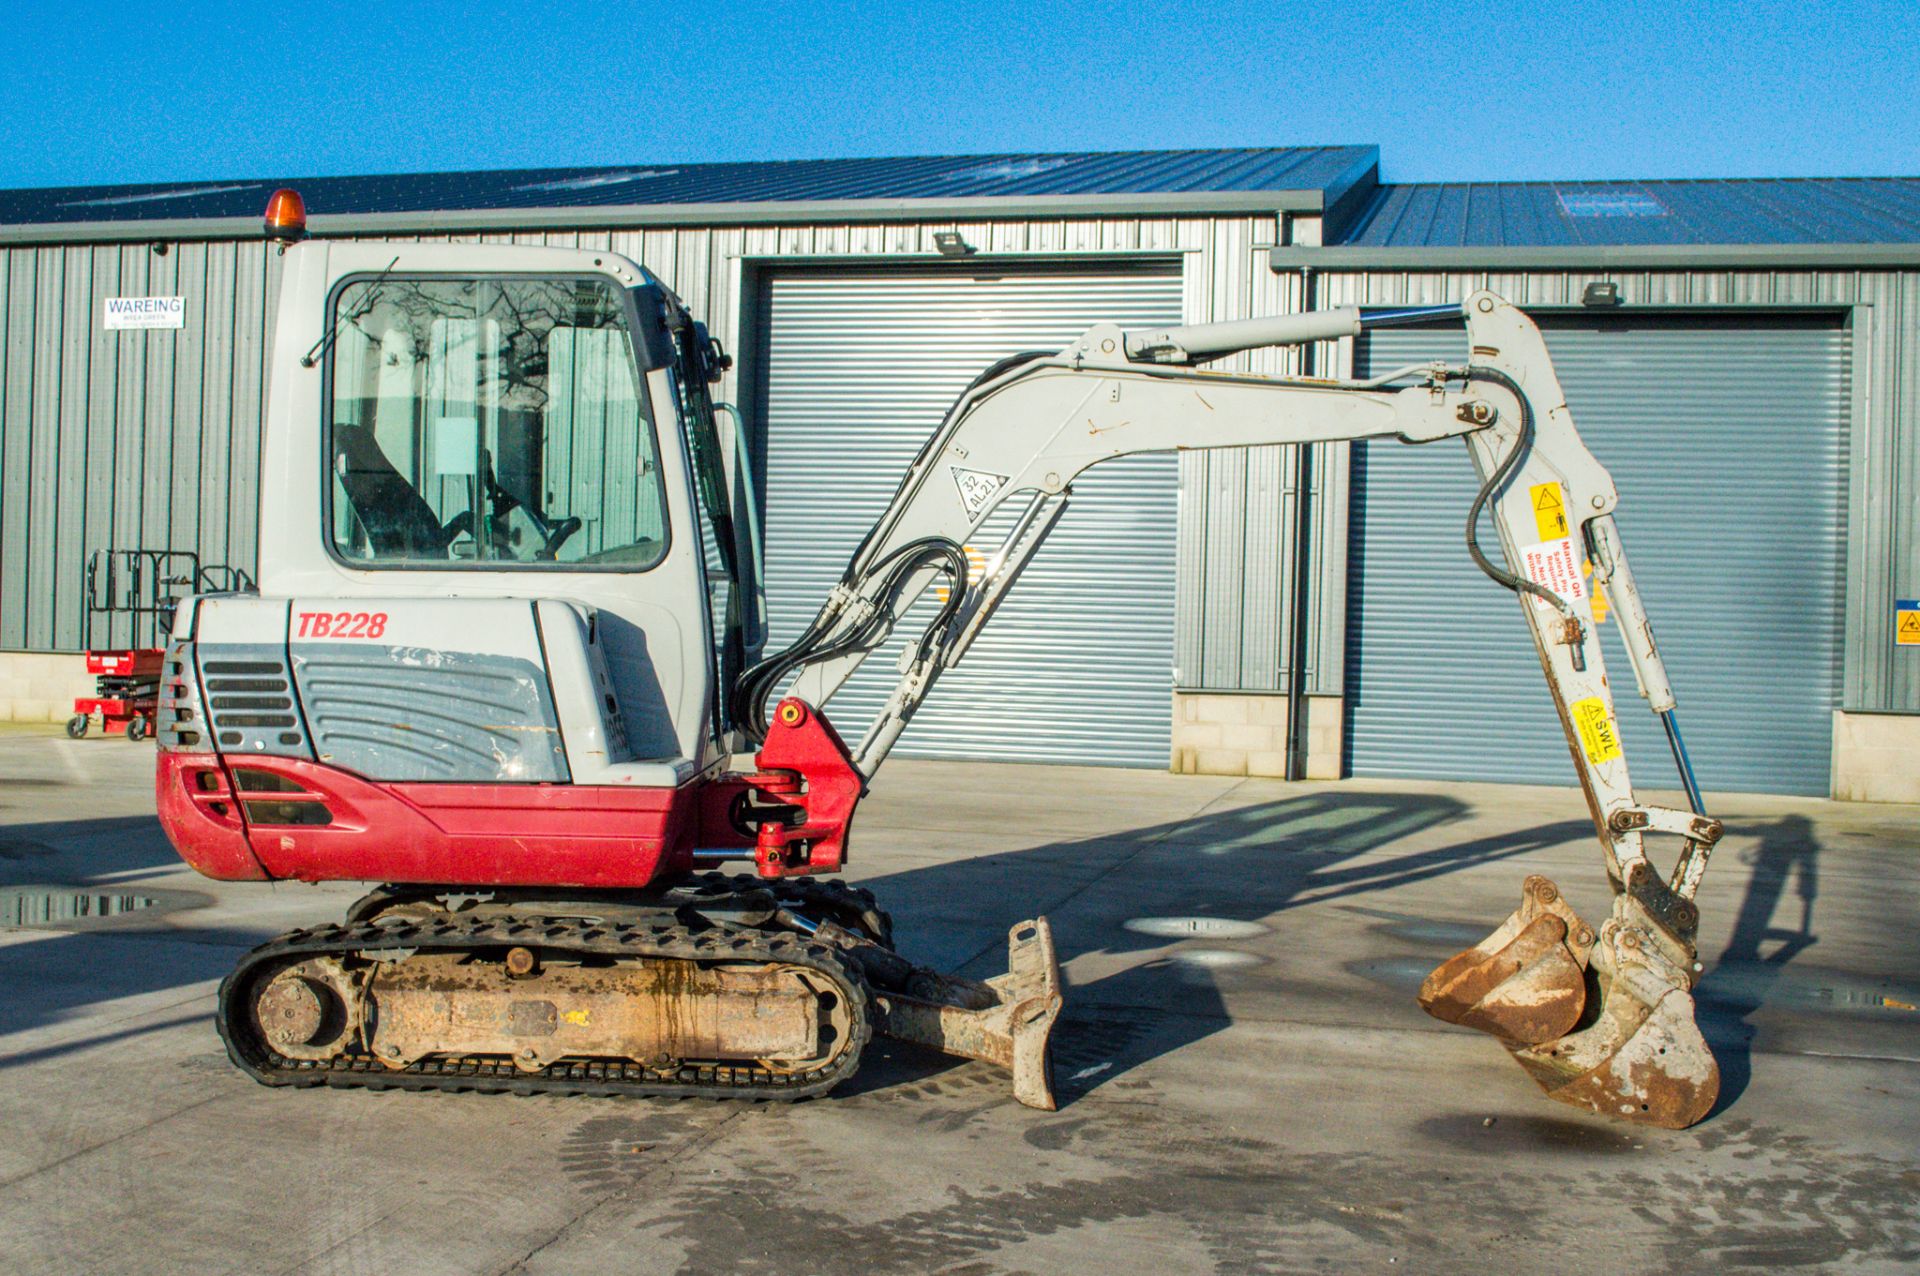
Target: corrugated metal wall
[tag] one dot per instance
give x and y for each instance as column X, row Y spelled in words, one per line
column 860, row 366
column 1883, row 493
column 1731, row 509
column 187, row 405
column 124, row 439
column 1231, row 602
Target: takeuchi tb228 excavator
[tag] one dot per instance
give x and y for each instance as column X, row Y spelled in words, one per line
column 507, row 659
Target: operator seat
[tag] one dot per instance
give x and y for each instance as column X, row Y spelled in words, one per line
column 398, row 521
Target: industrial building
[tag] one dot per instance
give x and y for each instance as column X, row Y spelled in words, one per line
column 1743, row 354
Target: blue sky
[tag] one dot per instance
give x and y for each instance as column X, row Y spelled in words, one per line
column 127, row 92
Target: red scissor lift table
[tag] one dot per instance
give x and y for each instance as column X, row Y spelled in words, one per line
column 126, row 687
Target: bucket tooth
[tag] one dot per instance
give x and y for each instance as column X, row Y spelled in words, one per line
column 1526, row 982
column 1007, row 1020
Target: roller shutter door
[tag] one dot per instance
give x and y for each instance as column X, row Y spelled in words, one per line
column 1728, row 444
column 859, row 367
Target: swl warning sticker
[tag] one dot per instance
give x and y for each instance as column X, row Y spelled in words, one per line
column 1597, row 734
column 976, row 488
column 1556, row 565
column 1906, row 622
column 1549, row 510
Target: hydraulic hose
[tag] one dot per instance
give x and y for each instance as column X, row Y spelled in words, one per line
column 754, row 687
column 1498, row 480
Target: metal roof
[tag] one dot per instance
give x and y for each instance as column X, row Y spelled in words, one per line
column 1308, row 178
column 1760, row 221
column 1782, row 211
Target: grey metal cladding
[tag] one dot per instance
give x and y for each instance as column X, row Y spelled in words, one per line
column 402, row 713
column 1883, row 398
column 142, row 438
column 860, row 367
column 249, row 698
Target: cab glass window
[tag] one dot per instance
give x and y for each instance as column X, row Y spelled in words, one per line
column 493, row 422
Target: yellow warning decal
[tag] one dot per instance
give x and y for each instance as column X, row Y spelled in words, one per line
column 1597, row 734
column 1906, row 622
column 1593, row 590
column 1549, row 510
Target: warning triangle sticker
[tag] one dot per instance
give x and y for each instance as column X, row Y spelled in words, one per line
column 977, row 487
column 1549, row 510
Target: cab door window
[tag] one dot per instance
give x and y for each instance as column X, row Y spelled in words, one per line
column 490, row 423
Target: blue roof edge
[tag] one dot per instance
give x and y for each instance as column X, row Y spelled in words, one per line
column 1270, row 179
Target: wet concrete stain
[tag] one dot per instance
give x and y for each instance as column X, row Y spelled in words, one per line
column 770, row 1196
column 1508, row 1135
column 1445, row 937
column 1732, row 985
column 610, row 1153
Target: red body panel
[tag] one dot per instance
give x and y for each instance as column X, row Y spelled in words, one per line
column 239, row 817
column 196, row 806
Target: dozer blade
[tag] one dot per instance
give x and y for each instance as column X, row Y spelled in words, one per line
column 1524, row 983
column 1634, row 1052
column 1007, row 1020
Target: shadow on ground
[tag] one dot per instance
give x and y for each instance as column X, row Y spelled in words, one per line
column 101, row 933
column 1171, row 887
column 1131, row 895
column 1741, row 982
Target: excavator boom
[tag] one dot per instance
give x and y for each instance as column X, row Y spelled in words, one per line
column 1022, row 433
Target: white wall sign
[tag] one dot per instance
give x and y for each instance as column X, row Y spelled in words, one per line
column 143, row 312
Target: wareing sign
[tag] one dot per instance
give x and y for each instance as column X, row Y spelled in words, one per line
column 143, row 312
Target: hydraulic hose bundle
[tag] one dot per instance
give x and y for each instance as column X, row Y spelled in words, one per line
column 1498, row 480
column 756, row 686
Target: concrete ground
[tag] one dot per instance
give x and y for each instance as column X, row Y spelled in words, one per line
column 1254, row 1092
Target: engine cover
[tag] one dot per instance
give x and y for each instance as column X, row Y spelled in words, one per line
column 437, row 690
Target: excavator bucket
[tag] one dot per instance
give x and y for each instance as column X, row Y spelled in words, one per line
column 1007, row 1020
column 1616, row 1036
column 1527, row 981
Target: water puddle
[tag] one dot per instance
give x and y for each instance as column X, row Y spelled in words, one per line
column 78, row 906
column 1193, row 927
column 1204, row 967
column 1743, row 985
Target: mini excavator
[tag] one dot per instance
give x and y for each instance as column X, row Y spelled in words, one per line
column 508, row 654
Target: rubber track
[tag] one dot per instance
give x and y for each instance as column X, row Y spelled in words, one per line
column 497, row 1074
column 853, row 907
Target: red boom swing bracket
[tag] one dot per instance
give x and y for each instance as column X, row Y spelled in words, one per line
column 799, row 805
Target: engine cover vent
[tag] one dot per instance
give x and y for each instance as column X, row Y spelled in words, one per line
column 250, row 702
